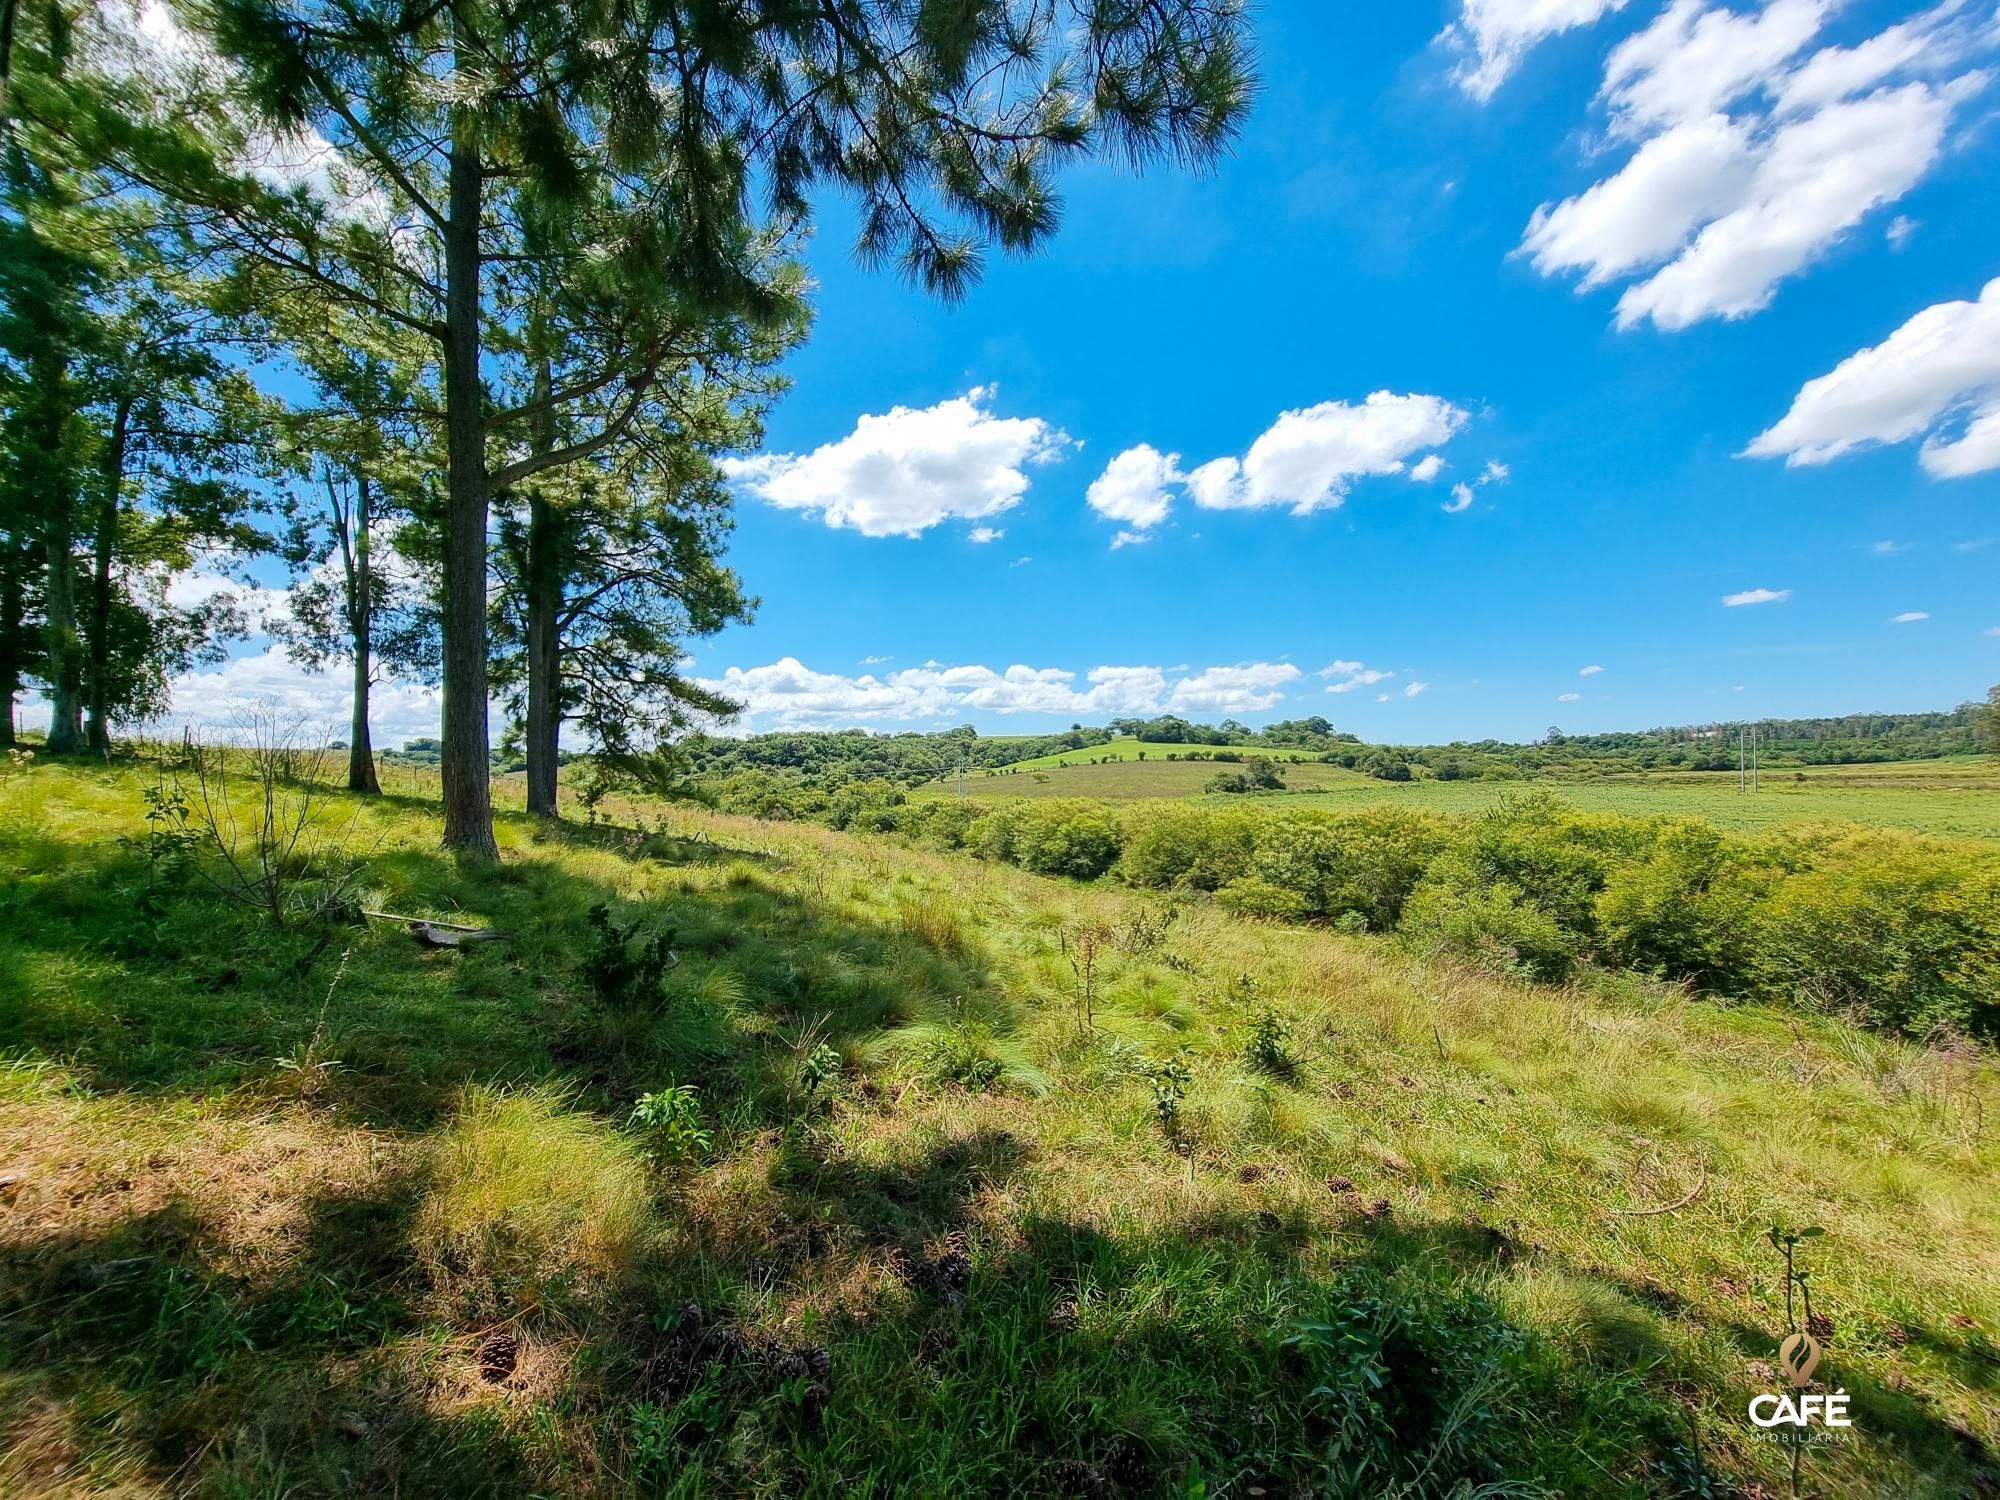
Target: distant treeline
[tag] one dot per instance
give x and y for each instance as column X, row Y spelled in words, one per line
column 826, row 759
column 1895, row 928
column 829, row 758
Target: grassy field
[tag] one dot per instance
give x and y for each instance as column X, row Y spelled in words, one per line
column 991, row 1184
column 1955, row 797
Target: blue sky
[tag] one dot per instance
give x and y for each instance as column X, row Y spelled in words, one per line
column 1588, row 266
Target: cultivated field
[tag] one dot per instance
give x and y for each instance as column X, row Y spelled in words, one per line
column 991, row 1184
column 1957, row 797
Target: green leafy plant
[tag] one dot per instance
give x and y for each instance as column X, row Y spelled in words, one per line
column 169, row 842
column 1267, row 1047
column 670, row 1120
column 621, row 976
column 1169, row 1080
column 818, row 1068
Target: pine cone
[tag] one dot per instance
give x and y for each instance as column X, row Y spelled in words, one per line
column 497, row 1356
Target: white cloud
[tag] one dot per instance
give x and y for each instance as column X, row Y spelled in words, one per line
column 1129, row 539
column 910, row 469
column 1134, row 488
column 1461, row 499
column 1381, row 697
column 1492, row 36
column 1307, row 458
column 1643, row 213
column 260, row 607
column 1415, row 688
column 1817, row 178
column 1752, row 155
column 1944, row 363
column 1973, row 545
column 1495, row 472
column 1568, row 697
column 212, row 700
column 1354, row 675
column 1909, row 617
column 1245, row 688
column 981, row 535
column 1993, row 630
column 787, row 692
column 1889, row 549
column 1695, row 60
column 1899, row 231
column 1590, row 671
column 1756, row 596
column 875, row 661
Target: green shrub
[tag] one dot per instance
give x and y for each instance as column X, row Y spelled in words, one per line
column 1493, row 923
column 1902, row 929
column 1175, row 846
column 1076, row 839
column 1685, row 910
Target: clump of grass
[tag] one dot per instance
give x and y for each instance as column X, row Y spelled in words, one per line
column 967, row 1048
column 934, row 922
column 528, row 1198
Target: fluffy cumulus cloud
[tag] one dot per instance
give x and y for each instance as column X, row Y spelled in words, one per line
column 1752, row 150
column 1461, row 499
column 1135, row 487
column 1350, row 676
column 261, row 608
column 214, row 701
column 910, row 469
column 1247, row 687
column 1756, row 596
column 1937, row 377
column 1307, row 459
column 787, row 692
column 1490, row 37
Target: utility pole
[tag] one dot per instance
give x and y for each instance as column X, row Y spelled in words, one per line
column 1742, row 783
column 1753, row 757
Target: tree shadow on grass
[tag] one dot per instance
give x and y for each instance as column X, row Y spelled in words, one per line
column 139, row 987
column 155, row 1359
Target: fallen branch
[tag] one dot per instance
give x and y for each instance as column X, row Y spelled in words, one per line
column 435, row 934
column 1666, row 1208
column 396, row 916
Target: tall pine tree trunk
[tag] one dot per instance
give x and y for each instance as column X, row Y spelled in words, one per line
column 64, row 668
column 360, row 613
column 13, row 604
column 544, row 599
column 468, row 788
column 97, row 693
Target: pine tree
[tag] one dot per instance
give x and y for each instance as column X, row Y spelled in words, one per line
column 615, row 147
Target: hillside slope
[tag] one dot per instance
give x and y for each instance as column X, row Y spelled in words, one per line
column 990, row 1183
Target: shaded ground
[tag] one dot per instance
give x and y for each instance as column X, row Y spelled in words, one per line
column 250, row 1242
